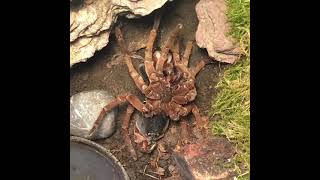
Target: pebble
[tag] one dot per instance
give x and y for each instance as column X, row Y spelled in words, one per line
column 171, row 168
column 85, row 108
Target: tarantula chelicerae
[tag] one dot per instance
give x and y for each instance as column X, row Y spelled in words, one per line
column 171, row 87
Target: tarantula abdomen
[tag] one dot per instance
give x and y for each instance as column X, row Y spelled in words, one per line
column 149, row 130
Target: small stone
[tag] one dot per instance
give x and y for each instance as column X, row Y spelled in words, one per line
column 160, row 171
column 171, row 168
column 85, row 108
column 173, row 130
column 162, row 148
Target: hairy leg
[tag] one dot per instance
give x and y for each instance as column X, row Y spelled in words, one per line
column 201, row 122
column 184, row 131
column 133, row 100
column 148, row 60
column 197, row 68
column 185, row 70
column 125, row 131
column 189, row 96
column 138, row 80
column 176, row 52
column 167, row 46
column 187, row 53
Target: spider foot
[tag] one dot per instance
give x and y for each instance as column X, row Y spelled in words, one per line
column 185, row 139
column 202, row 123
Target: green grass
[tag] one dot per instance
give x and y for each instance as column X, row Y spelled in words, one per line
column 232, row 103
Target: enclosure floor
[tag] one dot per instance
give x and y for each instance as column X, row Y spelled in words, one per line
column 111, row 74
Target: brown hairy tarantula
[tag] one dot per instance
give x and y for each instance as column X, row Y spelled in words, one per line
column 171, row 89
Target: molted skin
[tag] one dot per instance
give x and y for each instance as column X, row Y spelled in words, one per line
column 171, row 89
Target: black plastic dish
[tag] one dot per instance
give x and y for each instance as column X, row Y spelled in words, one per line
column 91, row 161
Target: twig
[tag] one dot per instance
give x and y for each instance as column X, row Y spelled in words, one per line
column 152, row 176
column 149, row 175
column 145, row 168
column 243, row 174
column 144, row 173
column 156, row 173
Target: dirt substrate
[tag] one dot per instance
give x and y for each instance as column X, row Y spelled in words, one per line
column 107, row 71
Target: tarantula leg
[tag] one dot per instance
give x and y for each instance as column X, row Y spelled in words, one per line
column 187, row 53
column 125, row 129
column 148, row 60
column 133, row 100
column 201, row 122
column 176, row 52
column 138, row 80
column 184, row 131
column 185, row 70
column 167, row 46
column 184, row 99
column 122, row 44
column 157, row 19
column 197, row 68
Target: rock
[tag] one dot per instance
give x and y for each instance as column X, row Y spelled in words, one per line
column 84, row 110
column 91, row 22
column 85, row 47
column 160, row 171
column 171, row 168
column 212, row 31
column 198, row 158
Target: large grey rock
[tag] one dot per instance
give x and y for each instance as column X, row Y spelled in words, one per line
column 213, row 29
column 84, row 110
column 91, row 22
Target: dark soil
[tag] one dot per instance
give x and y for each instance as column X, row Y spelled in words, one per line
column 107, row 71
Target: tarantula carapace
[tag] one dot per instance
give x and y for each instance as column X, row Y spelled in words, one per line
column 171, row 88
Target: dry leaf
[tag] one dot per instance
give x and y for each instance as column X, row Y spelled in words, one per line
column 160, row 171
column 162, row 148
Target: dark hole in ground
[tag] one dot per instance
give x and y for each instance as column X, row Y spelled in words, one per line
column 107, row 73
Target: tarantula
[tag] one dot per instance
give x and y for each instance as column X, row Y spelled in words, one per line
column 171, row 88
